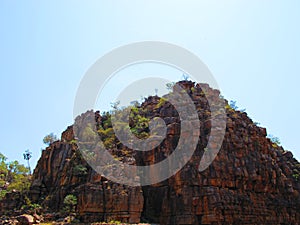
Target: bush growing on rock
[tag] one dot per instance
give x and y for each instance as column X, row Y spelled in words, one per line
column 49, row 139
column 70, row 202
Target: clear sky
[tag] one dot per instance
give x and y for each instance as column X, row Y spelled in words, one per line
column 251, row 47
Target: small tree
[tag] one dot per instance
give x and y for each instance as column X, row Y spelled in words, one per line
column 49, row 139
column 80, row 170
column 27, row 155
column 35, row 208
column 70, row 201
column 170, row 85
column 13, row 176
column 233, row 105
column 115, row 105
column 274, row 139
column 185, row 76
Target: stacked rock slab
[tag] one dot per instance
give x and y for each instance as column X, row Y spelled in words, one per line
column 98, row 199
column 251, row 181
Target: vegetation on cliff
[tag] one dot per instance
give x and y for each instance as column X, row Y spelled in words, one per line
column 13, row 176
column 253, row 180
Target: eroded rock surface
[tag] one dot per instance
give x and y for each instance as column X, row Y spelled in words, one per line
column 62, row 171
column 251, row 181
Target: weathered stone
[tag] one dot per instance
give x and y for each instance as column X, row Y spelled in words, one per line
column 251, row 181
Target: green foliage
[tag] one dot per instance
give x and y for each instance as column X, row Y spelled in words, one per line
column 73, row 141
column 70, row 202
column 106, row 121
column 135, row 103
column 233, row 106
column 296, row 176
column 89, row 134
column 87, row 153
column 13, row 176
column 35, row 206
column 275, row 140
column 3, row 170
column 49, row 139
column 79, row 170
column 139, row 123
column 2, row 194
column 2, row 158
column 161, row 102
column 170, row 85
column 27, row 156
column 27, row 200
column 228, row 107
column 108, row 136
column 32, row 207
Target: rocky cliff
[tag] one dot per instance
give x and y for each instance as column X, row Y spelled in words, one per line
column 61, row 171
column 251, row 181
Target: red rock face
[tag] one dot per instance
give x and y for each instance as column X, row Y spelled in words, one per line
column 98, row 198
column 251, row 181
column 11, row 201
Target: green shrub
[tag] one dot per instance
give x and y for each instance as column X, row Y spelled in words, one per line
column 73, row 141
column 13, row 176
column 275, row 140
column 161, row 102
column 50, row 138
column 79, row 170
column 70, row 202
column 2, row 194
column 296, row 176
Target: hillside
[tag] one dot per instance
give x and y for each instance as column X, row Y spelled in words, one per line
column 251, row 181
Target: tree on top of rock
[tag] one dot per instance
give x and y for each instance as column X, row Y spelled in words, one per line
column 50, row 138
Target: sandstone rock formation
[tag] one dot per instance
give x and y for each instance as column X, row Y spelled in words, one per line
column 57, row 175
column 251, row 181
column 12, row 200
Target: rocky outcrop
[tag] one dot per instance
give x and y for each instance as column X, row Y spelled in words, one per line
column 251, row 181
column 62, row 171
column 11, row 201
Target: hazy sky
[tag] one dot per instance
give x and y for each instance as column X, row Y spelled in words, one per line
column 251, row 47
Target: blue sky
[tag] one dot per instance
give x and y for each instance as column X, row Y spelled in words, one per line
column 251, row 47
